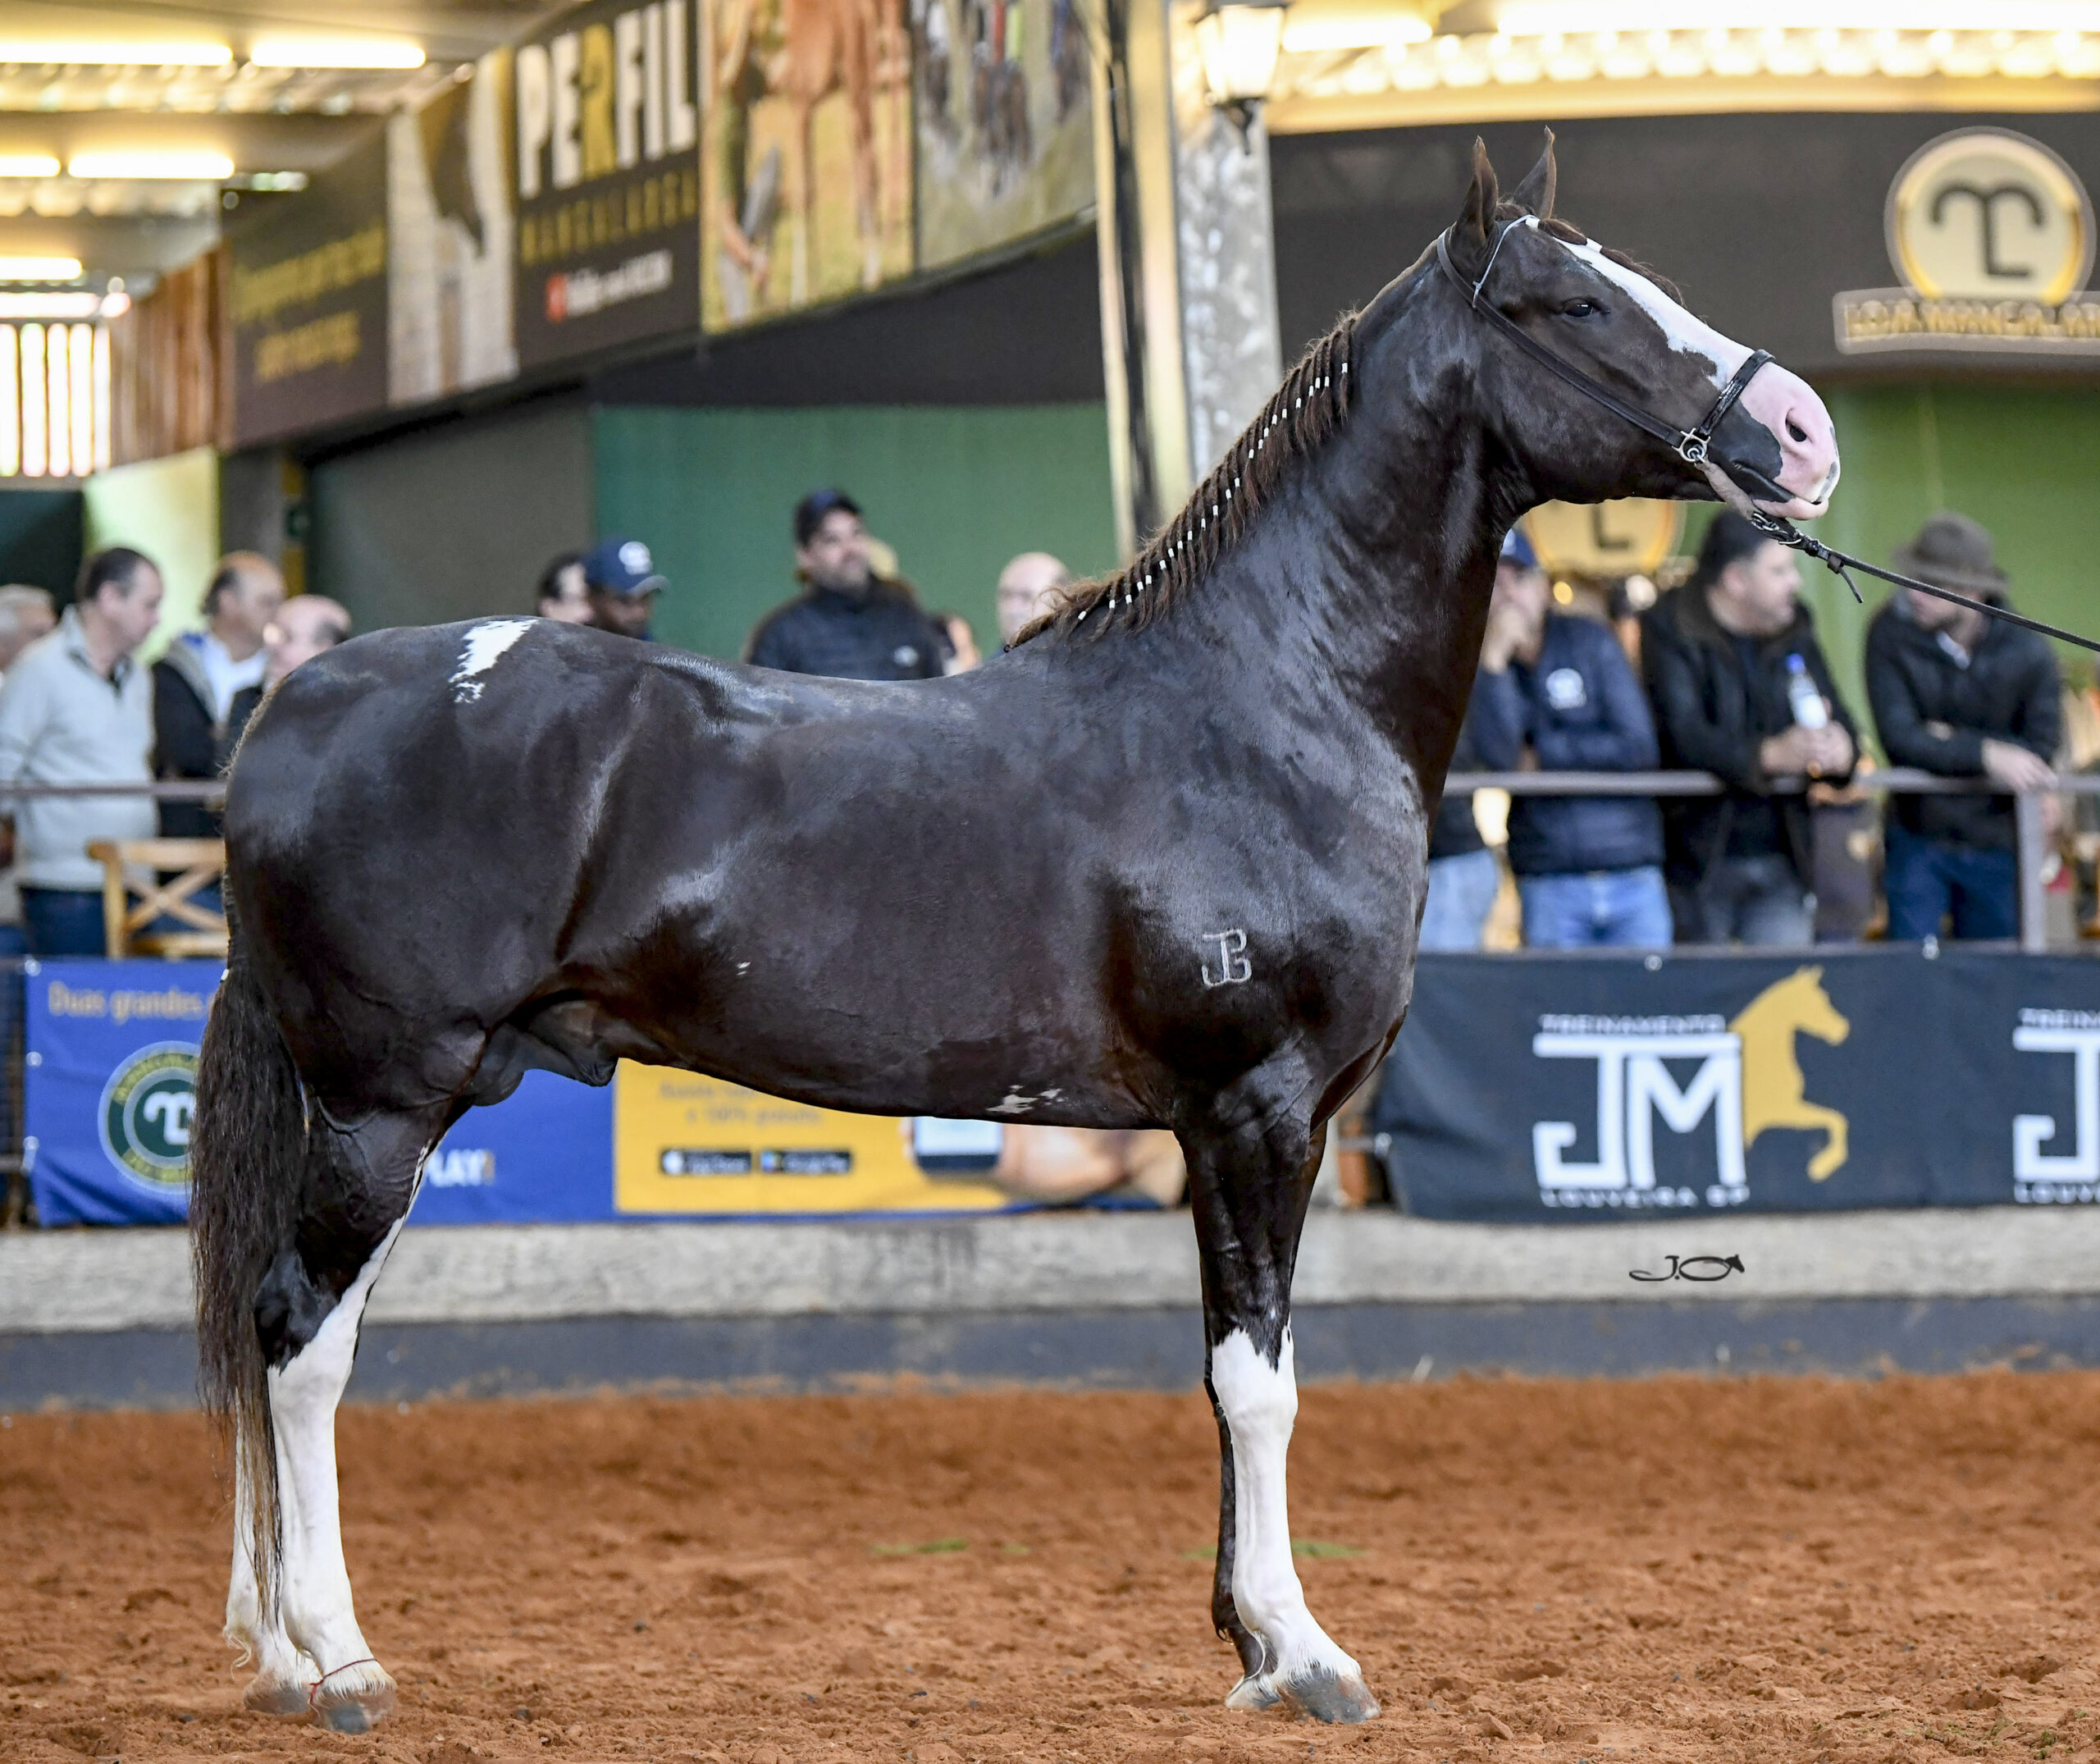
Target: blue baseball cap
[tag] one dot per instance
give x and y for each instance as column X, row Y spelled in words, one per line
column 1516, row 549
column 621, row 567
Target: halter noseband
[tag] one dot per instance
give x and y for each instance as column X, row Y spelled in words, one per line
column 1689, row 445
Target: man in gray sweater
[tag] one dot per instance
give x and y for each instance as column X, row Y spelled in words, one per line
column 76, row 708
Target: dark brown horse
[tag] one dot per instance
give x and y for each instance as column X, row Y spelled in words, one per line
column 1161, row 865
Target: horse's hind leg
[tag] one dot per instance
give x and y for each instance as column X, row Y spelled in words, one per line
column 1250, row 1188
column 310, row 1310
column 284, row 1676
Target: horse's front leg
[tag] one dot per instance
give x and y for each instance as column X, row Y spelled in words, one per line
column 1249, row 1189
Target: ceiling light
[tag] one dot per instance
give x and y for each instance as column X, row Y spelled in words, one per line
column 1237, row 42
column 1309, row 31
column 28, row 165
column 1532, row 18
column 375, row 53
column 40, row 269
column 30, row 53
column 57, row 306
column 203, row 167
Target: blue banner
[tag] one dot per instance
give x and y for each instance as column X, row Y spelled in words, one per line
column 109, row 1090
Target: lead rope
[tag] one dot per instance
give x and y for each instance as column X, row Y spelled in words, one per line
column 1842, row 564
column 314, row 1690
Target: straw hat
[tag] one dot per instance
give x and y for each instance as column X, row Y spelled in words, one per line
column 1952, row 551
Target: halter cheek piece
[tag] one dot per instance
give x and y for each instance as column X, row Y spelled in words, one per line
column 1691, row 445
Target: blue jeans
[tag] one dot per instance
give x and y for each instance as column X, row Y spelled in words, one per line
column 1927, row 880
column 1747, row 899
column 1461, row 894
column 1597, row 909
column 63, row 922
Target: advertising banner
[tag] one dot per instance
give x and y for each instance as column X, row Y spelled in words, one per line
column 1549, row 1087
column 308, row 304
column 109, row 1093
column 606, row 106
column 1004, row 129
column 827, row 82
column 685, row 1144
column 450, row 228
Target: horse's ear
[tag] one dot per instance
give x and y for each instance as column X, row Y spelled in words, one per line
column 1475, row 220
column 1535, row 195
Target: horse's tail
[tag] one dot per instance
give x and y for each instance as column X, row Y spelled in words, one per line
column 246, row 1158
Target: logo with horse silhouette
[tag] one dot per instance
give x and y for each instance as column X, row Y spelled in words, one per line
column 1747, row 1082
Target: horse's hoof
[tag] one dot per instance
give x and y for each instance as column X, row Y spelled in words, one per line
column 1253, row 1693
column 274, row 1696
column 354, row 1702
column 1325, row 1695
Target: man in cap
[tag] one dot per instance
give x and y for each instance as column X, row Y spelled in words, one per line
column 1555, row 693
column 623, row 585
column 1958, row 692
column 847, row 622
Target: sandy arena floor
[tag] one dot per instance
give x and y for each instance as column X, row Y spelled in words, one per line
column 1684, row 1569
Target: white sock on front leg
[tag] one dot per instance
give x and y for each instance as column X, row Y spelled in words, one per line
column 1304, row 1665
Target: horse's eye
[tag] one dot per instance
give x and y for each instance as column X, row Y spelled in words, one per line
column 1580, row 309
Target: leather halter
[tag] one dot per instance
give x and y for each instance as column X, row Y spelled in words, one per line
column 1689, row 445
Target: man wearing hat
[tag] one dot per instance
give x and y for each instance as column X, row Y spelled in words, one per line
column 1556, row 693
column 1957, row 693
column 621, row 579
column 847, row 622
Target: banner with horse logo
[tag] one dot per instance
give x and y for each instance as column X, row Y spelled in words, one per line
column 1552, row 1087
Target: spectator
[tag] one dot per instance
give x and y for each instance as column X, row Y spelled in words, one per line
column 959, row 650
column 1959, row 693
column 76, row 708
column 623, row 583
column 308, row 625
column 1029, row 587
column 1557, row 694
column 195, row 682
column 847, row 622
column 1464, row 875
column 26, row 614
column 564, row 596
column 1727, row 656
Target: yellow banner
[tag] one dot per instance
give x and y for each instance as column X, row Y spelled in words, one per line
column 684, row 1143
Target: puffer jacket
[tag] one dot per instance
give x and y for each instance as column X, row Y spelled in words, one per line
column 1934, row 709
column 1580, row 710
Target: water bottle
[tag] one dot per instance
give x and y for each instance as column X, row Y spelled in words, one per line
column 1810, row 710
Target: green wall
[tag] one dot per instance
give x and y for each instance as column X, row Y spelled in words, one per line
column 956, row 491
column 2024, row 460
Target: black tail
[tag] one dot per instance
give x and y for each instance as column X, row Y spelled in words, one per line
column 247, row 1178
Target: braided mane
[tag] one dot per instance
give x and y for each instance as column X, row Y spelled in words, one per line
column 1308, row 407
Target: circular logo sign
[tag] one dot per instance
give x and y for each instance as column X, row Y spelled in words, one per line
column 1986, row 214
column 147, row 1107
column 1605, row 538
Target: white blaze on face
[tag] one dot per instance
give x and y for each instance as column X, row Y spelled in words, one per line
column 485, row 646
column 1687, row 336
column 1260, row 1403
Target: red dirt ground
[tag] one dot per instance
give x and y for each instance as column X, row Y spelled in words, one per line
column 1676, row 1569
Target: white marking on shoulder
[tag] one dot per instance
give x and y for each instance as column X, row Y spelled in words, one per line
column 1688, row 335
column 1013, row 1103
column 485, row 646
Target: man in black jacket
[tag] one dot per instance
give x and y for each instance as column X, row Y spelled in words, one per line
column 848, row 623
column 1558, row 693
column 1741, row 689
column 1959, row 693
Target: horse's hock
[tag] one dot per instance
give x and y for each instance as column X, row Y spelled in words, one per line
column 1680, row 1568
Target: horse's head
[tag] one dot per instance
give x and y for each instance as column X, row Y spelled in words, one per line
column 1773, row 449
column 1808, row 1006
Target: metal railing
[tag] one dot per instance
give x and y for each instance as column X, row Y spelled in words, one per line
column 2031, row 837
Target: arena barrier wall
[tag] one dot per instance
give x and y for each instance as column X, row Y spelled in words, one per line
column 1585, row 1086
